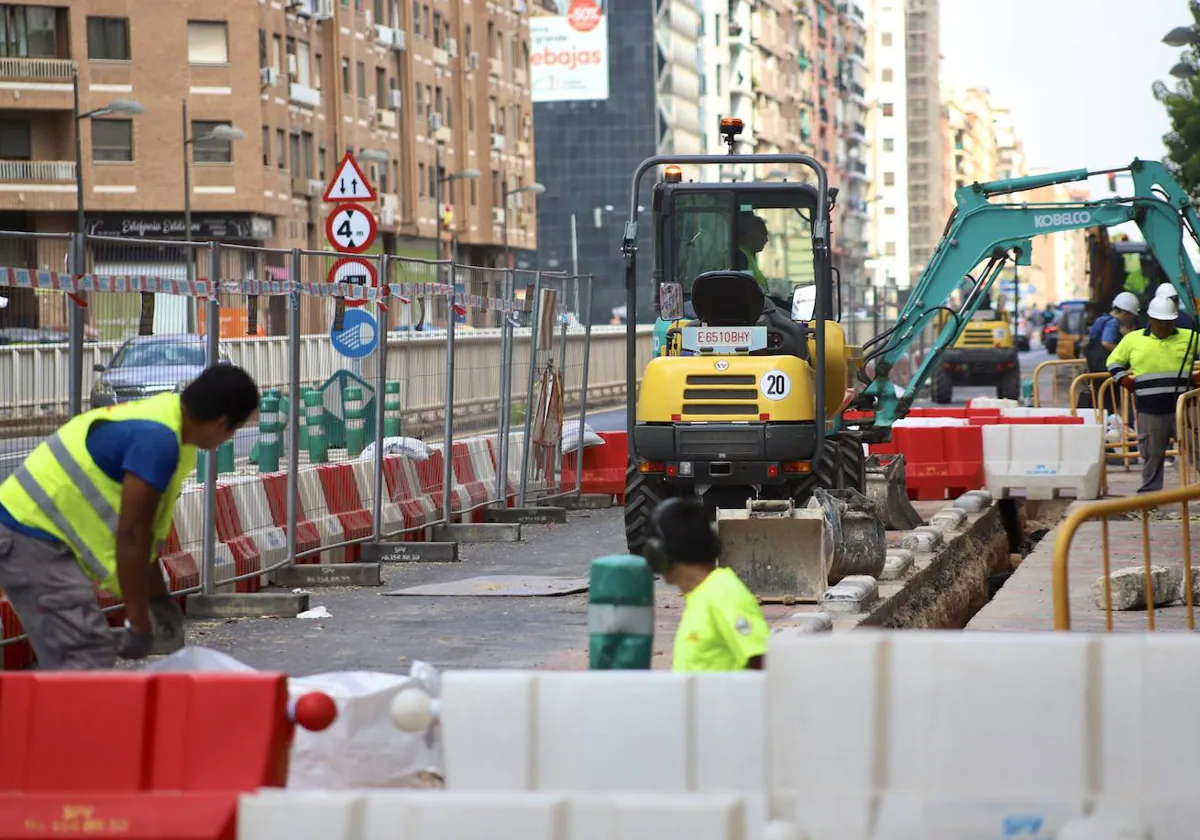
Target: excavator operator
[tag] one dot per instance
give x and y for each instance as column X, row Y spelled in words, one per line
column 752, row 237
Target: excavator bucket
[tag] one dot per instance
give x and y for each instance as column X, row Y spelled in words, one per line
column 856, row 531
column 783, row 554
column 887, row 488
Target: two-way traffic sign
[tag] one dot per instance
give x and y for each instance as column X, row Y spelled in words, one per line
column 349, row 183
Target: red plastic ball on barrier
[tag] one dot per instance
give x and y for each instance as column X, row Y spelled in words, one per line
column 315, row 711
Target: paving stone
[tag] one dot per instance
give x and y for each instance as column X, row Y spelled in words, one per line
column 1129, row 587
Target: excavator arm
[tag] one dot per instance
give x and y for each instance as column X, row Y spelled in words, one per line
column 979, row 230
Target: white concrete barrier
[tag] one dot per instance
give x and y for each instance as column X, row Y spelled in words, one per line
column 1045, row 461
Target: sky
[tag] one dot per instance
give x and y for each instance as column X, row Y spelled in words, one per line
column 1075, row 73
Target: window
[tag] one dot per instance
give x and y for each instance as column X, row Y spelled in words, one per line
column 266, row 144
column 425, row 19
column 886, row 74
column 449, row 117
column 210, row 150
column 467, row 39
column 303, row 64
column 474, row 197
column 889, row 145
column 360, row 79
column 889, row 179
column 497, row 196
column 432, row 182
column 14, row 140
column 294, row 149
column 381, row 88
column 346, row 76
column 28, row 32
column 262, row 48
column 889, row 248
column 889, row 211
column 416, row 19
column 318, row 70
column 112, row 140
column 888, row 109
column 277, row 53
column 208, row 42
column 471, row 115
column 885, row 39
column 437, row 29
column 421, row 179
column 108, row 38
column 280, row 144
column 321, row 161
column 306, row 153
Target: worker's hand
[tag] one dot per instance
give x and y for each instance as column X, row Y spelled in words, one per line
column 1127, row 382
column 167, row 619
column 135, row 644
column 1196, row 379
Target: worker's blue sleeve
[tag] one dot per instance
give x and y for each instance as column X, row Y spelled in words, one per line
column 148, row 449
column 1112, row 332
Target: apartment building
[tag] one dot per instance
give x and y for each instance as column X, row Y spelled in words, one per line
column 853, row 149
column 888, row 125
column 421, row 91
column 924, row 131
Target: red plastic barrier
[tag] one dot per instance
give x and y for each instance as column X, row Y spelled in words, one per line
column 603, row 466
column 246, row 559
column 342, row 499
column 464, row 476
column 137, row 755
column 1025, row 421
column 307, row 535
column 940, row 460
column 403, row 489
column 18, row 655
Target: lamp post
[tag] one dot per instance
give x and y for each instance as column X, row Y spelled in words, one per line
column 465, row 175
column 534, row 188
column 79, row 261
column 225, row 133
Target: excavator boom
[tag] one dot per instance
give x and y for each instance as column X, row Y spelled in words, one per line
column 980, row 230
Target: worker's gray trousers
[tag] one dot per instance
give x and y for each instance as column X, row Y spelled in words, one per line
column 1154, row 439
column 56, row 604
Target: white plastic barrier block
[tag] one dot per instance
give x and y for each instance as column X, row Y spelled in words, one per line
column 316, row 511
column 254, row 515
column 442, row 815
column 727, row 759
column 390, row 514
column 1088, row 415
column 1044, row 461
column 489, row 729
column 612, row 731
column 992, row 402
column 929, row 422
column 633, row 816
column 989, row 717
column 908, row 816
column 274, row 813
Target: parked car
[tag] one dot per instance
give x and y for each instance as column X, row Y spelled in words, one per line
column 149, row 365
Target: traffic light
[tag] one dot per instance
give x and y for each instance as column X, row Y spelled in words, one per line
column 1112, row 182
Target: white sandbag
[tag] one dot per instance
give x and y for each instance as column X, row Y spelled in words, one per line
column 570, row 436
column 410, row 447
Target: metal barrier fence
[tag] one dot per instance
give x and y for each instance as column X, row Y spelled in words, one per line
column 1104, row 511
column 1187, row 433
column 410, row 418
column 1058, row 374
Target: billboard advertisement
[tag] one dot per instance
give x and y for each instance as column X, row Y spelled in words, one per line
column 568, row 59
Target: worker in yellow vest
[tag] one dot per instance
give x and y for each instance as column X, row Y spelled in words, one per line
column 752, row 237
column 94, row 503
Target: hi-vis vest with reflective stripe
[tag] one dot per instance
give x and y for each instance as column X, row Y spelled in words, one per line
column 1161, row 367
column 60, row 490
column 752, row 267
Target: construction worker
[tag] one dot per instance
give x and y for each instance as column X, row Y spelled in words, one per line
column 722, row 627
column 752, row 237
column 1168, row 290
column 94, row 503
column 1155, row 364
column 1105, row 333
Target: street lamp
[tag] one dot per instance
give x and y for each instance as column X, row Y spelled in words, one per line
column 533, row 188
column 75, row 313
column 1182, row 70
column 464, row 175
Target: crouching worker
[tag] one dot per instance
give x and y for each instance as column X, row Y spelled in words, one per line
column 94, row 502
column 722, row 627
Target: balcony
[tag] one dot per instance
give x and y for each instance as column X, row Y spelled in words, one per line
column 857, row 170
column 38, row 171
column 853, row 13
column 304, row 95
column 41, row 70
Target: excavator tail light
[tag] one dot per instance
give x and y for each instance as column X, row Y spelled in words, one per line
column 796, row 467
column 650, row 467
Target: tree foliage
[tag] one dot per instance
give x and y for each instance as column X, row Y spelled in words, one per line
column 1183, row 108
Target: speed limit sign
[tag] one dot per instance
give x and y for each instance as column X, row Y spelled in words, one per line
column 350, row 228
column 356, row 272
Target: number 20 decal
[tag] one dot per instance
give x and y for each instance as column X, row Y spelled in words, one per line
column 775, row 385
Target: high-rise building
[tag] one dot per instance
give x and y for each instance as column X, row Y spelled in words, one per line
column 888, row 126
column 607, row 96
column 853, row 151
column 274, row 93
column 925, row 189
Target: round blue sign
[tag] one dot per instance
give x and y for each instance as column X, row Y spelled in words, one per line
column 359, row 335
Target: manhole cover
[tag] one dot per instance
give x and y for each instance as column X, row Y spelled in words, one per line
column 506, row 586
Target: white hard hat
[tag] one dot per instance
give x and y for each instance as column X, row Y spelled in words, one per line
column 1127, row 301
column 1162, row 309
column 1166, row 290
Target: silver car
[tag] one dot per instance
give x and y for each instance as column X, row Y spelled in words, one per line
column 149, row 365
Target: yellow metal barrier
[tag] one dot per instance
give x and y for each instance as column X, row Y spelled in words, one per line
column 1062, row 370
column 1103, row 510
column 1187, row 427
column 1105, row 393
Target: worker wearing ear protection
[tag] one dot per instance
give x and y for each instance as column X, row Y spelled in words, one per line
column 722, row 627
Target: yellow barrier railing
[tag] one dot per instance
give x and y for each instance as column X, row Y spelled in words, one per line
column 1187, row 427
column 1103, row 510
column 1057, row 367
column 1106, row 395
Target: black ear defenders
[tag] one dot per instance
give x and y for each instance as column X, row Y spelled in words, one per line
column 658, row 556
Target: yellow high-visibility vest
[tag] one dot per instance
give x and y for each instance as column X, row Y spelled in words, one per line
column 60, row 490
column 752, row 268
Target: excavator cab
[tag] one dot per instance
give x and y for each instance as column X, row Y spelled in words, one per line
column 749, row 362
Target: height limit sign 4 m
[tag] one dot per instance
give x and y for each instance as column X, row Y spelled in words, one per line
column 351, row 227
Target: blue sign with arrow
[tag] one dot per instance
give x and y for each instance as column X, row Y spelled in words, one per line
column 359, row 335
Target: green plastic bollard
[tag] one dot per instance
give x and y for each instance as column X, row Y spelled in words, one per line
column 314, row 419
column 620, row 613
column 268, row 435
column 226, row 459
column 391, row 410
column 356, row 422
column 304, row 391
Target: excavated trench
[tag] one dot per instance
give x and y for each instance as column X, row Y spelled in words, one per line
column 952, row 584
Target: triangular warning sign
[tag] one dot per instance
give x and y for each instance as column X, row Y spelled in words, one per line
column 349, row 183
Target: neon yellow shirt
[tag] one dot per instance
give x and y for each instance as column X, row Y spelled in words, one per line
column 722, row 626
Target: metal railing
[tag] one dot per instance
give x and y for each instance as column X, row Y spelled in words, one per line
column 1061, row 373
column 1187, row 427
column 38, row 69
column 37, row 170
